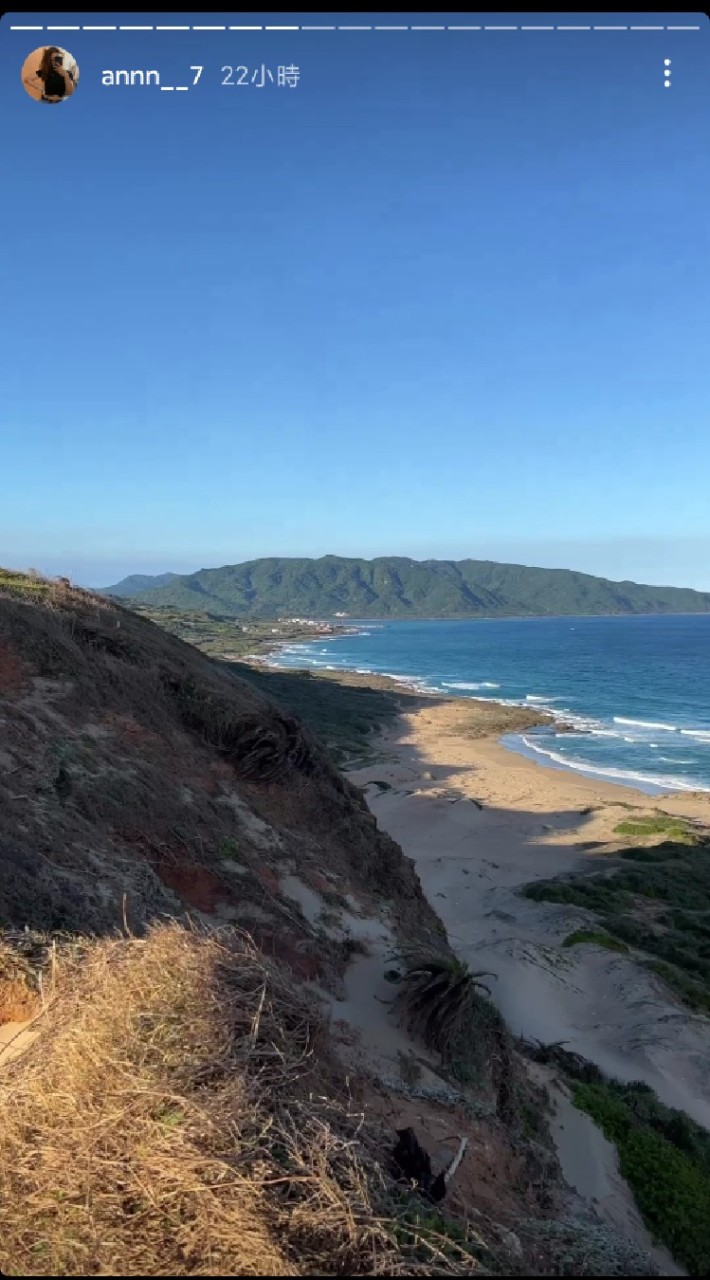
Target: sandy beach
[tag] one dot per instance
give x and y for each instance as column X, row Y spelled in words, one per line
column 480, row 822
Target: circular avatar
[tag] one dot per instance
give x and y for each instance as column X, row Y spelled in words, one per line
column 50, row 74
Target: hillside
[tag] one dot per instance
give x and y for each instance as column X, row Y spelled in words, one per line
column 138, row 582
column 395, row 587
column 202, row 1070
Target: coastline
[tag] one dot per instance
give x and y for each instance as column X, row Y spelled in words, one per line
column 480, row 822
column 512, row 733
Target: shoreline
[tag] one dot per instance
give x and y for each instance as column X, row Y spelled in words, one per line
column 534, row 718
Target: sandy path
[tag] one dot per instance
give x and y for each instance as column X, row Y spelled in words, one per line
column 471, row 861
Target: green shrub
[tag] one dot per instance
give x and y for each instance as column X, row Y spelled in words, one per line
column 661, row 824
column 665, row 1163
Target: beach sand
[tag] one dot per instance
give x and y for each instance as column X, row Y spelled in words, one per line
column 480, row 822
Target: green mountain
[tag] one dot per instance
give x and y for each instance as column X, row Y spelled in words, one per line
column 396, row 587
column 139, row 582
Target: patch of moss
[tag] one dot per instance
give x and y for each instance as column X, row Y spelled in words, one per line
column 595, row 936
column 660, row 824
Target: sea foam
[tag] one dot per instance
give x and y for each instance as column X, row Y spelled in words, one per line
column 624, row 775
column 646, row 724
column 469, row 684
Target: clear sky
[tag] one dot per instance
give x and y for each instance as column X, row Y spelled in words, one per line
column 449, row 296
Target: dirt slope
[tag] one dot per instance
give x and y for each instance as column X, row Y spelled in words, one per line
column 137, row 779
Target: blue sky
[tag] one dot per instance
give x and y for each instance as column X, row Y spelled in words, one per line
column 450, row 296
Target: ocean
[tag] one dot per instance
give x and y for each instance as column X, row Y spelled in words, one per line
column 635, row 689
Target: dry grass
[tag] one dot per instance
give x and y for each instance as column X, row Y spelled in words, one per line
column 178, row 1115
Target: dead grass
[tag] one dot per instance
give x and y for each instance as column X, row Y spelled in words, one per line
column 178, row 1115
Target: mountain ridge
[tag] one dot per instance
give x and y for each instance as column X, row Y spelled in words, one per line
column 400, row 587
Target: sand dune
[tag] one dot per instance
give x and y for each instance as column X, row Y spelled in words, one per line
column 480, row 822
column 532, row 825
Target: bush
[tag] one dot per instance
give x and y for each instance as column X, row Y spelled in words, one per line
column 662, row 1158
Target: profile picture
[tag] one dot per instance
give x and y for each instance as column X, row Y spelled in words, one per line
column 50, row 74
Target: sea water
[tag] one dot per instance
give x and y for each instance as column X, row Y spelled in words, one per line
column 635, row 690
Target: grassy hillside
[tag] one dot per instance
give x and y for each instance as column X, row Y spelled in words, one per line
column 137, row 582
column 396, row 587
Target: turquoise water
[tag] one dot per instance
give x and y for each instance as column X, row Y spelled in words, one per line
column 636, row 690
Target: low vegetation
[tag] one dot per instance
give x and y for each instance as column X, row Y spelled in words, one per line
column 659, row 906
column 29, row 584
column 658, row 824
column 666, row 1162
column 181, row 1117
column 344, row 714
column 663, row 1154
column 595, row 936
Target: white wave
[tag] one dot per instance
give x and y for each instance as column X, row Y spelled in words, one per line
column 469, row 684
column 701, row 735
column 363, row 671
column 674, row 760
column 646, row 724
column 605, row 733
column 627, row 775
